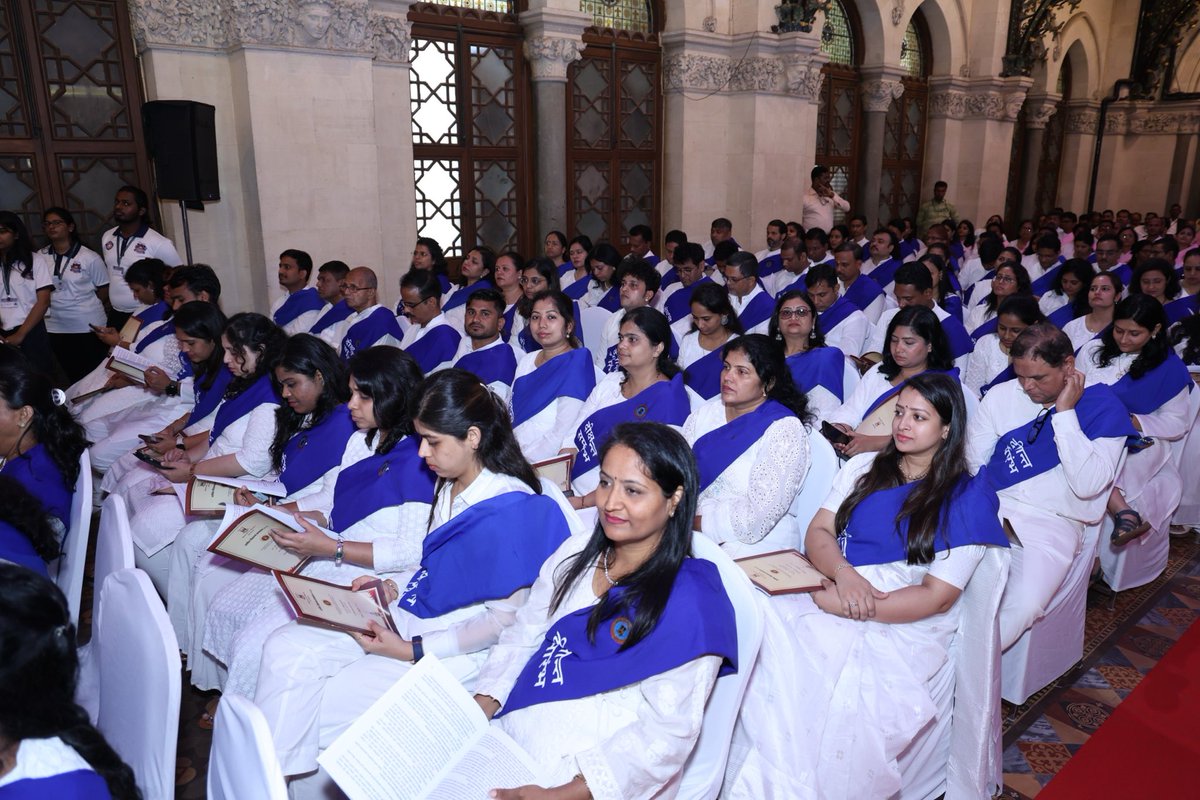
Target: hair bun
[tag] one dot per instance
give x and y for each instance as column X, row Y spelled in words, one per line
column 58, row 397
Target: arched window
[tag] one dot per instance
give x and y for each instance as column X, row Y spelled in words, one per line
column 619, row 15
column 839, row 112
column 904, row 128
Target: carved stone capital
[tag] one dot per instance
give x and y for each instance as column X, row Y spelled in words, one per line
column 1153, row 118
column 691, row 72
column 948, row 103
column 549, row 56
column 803, row 77
column 1082, row 118
column 1039, row 110
column 878, row 94
column 391, row 37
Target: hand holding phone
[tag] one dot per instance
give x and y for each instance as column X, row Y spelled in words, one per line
column 834, row 434
column 142, row 455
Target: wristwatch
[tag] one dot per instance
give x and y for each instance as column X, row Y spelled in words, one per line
column 172, row 389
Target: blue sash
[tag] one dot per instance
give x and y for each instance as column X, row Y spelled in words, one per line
column 579, row 288
column 311, row 453
column 153, row 313
column 234, row 408
column 16, row 547
column 568, row 375
column 820, row 366
column 986, row 328
column 298, row 303
column 1045, row 281
column 665, row 401
column 669, row 277
column 796, row 285
column 1148, row 393
column 885, row 273
column 770, row 265
column 953, row 305
column 862, row 293
column 1062, row 315
column 961, row 342
column 720, row 447
column 704, row 374
column 208, row 399
column 908, row 247
column 460, row 297
column 895, row 390
column 186, row 370
column 495, row 364
column 969, row 296
column 80, row 784
column 1006, row 375
column 565, row 267
column 510, row 316
column 679, row 304
column 437, row 346
column 35, row 470
column 1182, row 308
column 698, row 620
column 530, row 345
column 611, row 300
column 1124, row 272
column 366, row 332
column 381, row 480
column 336, row 313
column 1015, row 459
column 487, row 552
column 166, row 329
column 444, row 282
column 757, row 311
column 836, row 314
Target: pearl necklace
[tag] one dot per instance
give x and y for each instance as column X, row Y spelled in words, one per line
column 910, row 478
column 607, row 577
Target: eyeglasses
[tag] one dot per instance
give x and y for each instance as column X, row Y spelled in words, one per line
column 351, row 288
column 410, row 306
column 798, row 313
column 539, row 280
column 1038, row 424
column 1004, row 279
column 53, row 223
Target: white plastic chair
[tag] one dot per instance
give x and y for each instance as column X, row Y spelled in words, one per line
column 593, row 319
column 139, row 680
column 242, row 762
column 114, row 552
column 68, row 568
column 705, row 769
column 823, row 467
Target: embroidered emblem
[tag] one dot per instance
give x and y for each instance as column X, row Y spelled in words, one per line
column 620, row 629
column 139, row 248
column 555, row 653
column 640, row 411
column 382, row 469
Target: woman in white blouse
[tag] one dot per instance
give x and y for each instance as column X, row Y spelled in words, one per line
column 625, row 730
column 713, row 323
column 1009, row 280
column 24, row 293
column 990, row 360
column 751, row 448
column 490, row 510
column 80, row 296
column 1103, row 292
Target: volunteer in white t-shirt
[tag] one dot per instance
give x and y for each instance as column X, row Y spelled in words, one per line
column 79, row 298
column 25, row 288
column 132, row 240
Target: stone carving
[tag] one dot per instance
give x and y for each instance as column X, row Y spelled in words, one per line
column 803, row 77
column 710, row 24
column 391, row 36
column 755, row 75
column 877, row 95
column 1154, row 119
column 798, row 75
column 981, row 104
column 1012, row 104
column 549, row 56
column 191, row 24
column 1039, row 112
column 949, row 103
column 1083, row 120
column 897, row 12
column 313, row 22
column 685, row 72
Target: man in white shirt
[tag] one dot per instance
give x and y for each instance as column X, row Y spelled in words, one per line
column 913, row 286
column 768, row 258
column 301, row 304
column 816, row 243
column 637, row 282
column 370, row 324
column 130, row 241
column 689, row 266
column 820, row 200
column 793, row 259
column 860, row 290
column 752, row 304
column 430, row 339
column 857, row 224
column 640, row 238
column 482, row 352
column 842, row 324
column 331, row 277
column 720, row 231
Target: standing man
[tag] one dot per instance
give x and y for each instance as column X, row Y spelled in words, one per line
column 132, row 240
column 937, row 209
column 300, row 306
column 820, row 200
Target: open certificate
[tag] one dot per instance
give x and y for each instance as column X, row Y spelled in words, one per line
column 337, row 606
column 128, row 363
column 208, row 496
column 782, row 572
column 557, row 470
column 248, row 539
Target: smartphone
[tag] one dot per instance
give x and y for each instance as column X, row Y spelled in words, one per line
column 142, row 455
column 833, row 434
column 148, row 439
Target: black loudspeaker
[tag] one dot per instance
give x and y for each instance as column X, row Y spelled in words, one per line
column 181, row 136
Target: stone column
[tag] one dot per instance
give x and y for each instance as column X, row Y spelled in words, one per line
column 878, row 91
column 1038, row 110
column 553, row 39
column 1079, row 143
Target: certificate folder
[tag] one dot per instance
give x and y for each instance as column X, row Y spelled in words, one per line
column 208, row 496
column 557, row 470
column 336, row 606
column 782, row 572
column 248, row 539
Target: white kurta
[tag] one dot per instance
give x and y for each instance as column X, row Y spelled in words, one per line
column 540, row 436
column 500, row 388
column 302, row 322
column 163, row 352
column 1079, row 334
column 986, row 362
column 849, row 335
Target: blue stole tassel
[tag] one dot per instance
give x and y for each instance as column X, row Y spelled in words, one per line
column 381, row 480
column 720, row 447
column 568, row 375
column 437, row 346
column 312, row 452
column 379, row 323
column 298, row 303
column 664, row 401
column 820, row 366
column 234, row 408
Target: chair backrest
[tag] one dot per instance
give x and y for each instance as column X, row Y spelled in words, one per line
column 975, row 736
column 592, row 319
column 1179, row 446
column 242, row 762
column 114, row 545
column 68, row 568
column 705, row 768
column 139, row 680
column 822, row 468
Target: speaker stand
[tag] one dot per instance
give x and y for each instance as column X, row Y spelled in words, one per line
column 187, row 234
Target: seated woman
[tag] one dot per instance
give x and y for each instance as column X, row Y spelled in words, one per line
column 478, row 272
column 237, row 444
column 1156, row 278
column 916, row 343
column 48, row 748
column 555, row 249
column 943, row 286
column 578, row 256
column 989, row 364
column 538, row 276
column 490, row 510
column 650, row 627
column 428, row 254
column 1102, row 290
column 600, row 291
column 1063, row 293
column 898, row 538
column 26, row 535
column 508, row 282
column 647, row 387
column 40, row 442
column 714, row 322
column 1009, row 280
column 820, row 371
column 550, row 384
column 1136, row 359
column 751, row 449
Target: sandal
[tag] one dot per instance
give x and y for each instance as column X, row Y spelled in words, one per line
column 1129, row 525
column 208, row 718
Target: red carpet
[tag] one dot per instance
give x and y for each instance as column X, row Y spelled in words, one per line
column 1148, row 747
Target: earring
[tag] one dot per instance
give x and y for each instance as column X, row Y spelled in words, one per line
column 725, row 320
column 812, row 334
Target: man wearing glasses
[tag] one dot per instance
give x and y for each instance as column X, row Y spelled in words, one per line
column 1050, row 449
column 752, row 304
column 370, row 324
column 1108, row 255
column 430, row 339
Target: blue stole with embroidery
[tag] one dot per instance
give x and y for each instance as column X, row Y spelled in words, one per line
column 704, row 374
column 460, row 297
column 720, row 447
column 698, row 620
column 336, row 313
column 529, row 344
column 234, row 408
column 381, row 480
column 208, row 399
column 312, row 452
column 679, row 304
column 487, row 552
column 611, row 301
column 1006, row 375
column 664, row 401
column 298, row 303
column 862, row 293
column 820, row 366
column 1182, row 308
column 35, row 470
column 770, row 265
column 1148, row 393
column 987, row 327
column 885, row 273
column 836, row 314
column 166, row 329
column 568, row 375
column 437, row 346
column 961, row 342
column 757, row 311
column 892, row 391
column 153, row 313
column 366, row 332
column 1015, row 459
column 491, row 365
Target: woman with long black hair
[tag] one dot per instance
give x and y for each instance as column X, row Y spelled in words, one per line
column 25, row 293
column 26, row 535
